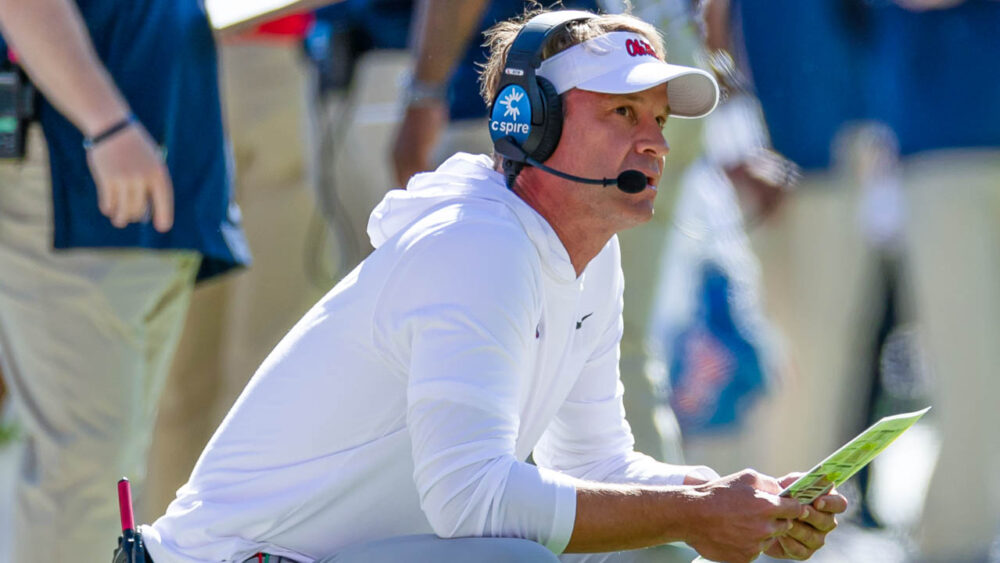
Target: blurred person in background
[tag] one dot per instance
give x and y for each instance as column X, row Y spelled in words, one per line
column 122, row 200
column 805, row 64
column 933, row 85
column 719, row 352
column 358, row 51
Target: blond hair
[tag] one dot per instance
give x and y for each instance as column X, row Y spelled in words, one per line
column 500, row 37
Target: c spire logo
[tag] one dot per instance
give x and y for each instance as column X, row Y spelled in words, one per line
column 506, row 118
column 512, row 110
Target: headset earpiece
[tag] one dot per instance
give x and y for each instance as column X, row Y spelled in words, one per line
column 527, row 110
column 551, row 129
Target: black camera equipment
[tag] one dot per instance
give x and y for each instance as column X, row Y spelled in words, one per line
column 17, row 109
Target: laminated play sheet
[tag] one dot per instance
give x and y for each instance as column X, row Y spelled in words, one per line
column 836, row 469
column 851, row 457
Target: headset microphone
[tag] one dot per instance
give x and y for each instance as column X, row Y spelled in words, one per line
column 629, row 181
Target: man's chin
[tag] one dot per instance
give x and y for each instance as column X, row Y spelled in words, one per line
column 641, row 216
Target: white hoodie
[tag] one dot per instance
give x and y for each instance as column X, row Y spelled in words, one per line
column 407, row 400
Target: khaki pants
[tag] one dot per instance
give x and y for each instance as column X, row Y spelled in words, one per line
column 953, row 242
column 86, row 340
column 235, row 321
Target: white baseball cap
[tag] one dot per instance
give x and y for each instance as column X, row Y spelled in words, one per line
column 622, row 62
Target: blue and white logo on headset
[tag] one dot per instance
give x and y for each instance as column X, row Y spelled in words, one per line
column 511, row 114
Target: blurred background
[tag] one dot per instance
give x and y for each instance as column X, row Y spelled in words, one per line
column 825, row 249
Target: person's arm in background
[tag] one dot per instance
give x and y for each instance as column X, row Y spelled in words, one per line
column 762, row 177
column 715, row 16
column 55, row 50
column 441, row 32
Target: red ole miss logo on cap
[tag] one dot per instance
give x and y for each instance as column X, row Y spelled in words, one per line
column 637, row 47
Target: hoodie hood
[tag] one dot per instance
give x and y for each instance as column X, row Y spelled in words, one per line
column 465, row 177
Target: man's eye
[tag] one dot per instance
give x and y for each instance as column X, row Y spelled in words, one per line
column 661, row 121
column 624, row 111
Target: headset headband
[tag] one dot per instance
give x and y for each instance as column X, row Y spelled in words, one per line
column 526, row 53
column 526, row 112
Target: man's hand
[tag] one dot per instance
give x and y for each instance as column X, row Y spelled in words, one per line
column 131, row 176
column 741, row 517
column 416, row 138
column 808, row 532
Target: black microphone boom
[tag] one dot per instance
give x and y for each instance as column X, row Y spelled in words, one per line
column 629, row 181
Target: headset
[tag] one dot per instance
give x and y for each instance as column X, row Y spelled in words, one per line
column 526, row 116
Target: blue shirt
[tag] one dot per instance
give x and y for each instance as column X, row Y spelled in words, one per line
column 935, row 81
column 378, row 24
column 807, row 60
column 161, row 55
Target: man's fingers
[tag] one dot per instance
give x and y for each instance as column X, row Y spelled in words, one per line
column 822, row 521
column 107, row 197
column 138, row 201
column 794, row 549
column 774, row 549
column 780, row 528
column 787, row 508
column 122, row 211
column 807, row 535
column 161, row 195
column 834, row 503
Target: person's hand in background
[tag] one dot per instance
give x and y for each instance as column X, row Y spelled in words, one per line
column 416, row 138
column 55, row 49
column 763, row 181
column 131, row 176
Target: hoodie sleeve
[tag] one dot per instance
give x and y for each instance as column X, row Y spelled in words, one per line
column 462, row 310
column 589, row 437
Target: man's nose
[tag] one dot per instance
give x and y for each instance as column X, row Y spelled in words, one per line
column 654, row 144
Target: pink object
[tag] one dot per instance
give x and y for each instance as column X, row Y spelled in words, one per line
column 125, row 504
